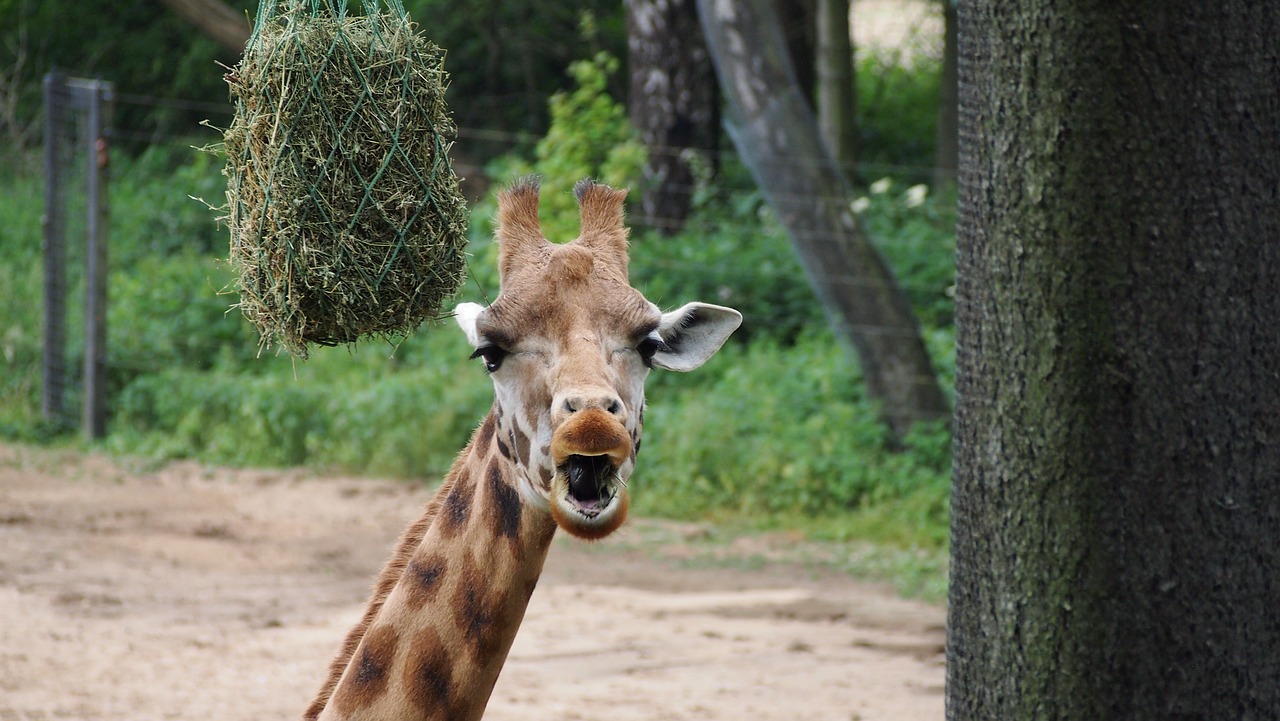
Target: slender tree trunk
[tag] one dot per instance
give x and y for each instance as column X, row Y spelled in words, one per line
column 673, row 104
column 1116, row 505
column 837, row 107
column 220, row 22
column 777, row 137
column 798, row 20
column 946, row 153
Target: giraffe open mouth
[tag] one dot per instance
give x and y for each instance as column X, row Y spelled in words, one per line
column 592, row 482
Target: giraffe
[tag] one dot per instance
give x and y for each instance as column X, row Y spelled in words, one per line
column 568, row 344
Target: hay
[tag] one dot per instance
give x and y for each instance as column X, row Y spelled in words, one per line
column 344, row 210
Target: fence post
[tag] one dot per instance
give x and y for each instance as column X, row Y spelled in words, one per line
column 64, row 99
column 98, row 95
column 53, row 370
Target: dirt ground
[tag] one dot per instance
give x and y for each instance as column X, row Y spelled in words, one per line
column 188, row 592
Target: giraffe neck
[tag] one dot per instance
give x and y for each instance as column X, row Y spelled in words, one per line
column 432, row 646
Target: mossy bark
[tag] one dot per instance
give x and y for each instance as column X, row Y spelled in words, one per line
column 1116, row 504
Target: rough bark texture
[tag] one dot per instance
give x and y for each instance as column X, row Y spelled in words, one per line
column 837, row 111
column 777, row 137
column 217, row 20
column 673, row 103
column 1116, row 502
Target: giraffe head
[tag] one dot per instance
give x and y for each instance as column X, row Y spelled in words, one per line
column 568, row 343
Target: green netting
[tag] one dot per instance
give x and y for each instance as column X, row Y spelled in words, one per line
column 344, row 210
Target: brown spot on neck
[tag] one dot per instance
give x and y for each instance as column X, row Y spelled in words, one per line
column 373, row 661
column 457, row 504
column 428, row 676
column 502, row 505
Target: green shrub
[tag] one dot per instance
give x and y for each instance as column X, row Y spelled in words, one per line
column 170, row 311
column 156, row 208
column 589, row 137
column 358, row 411
column 783, row 430
column 735, row 256
column 21, row 308
column 897, row 114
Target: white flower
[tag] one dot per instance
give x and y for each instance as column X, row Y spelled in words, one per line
column 881, row 186
column 916, row 194
column 860, row 204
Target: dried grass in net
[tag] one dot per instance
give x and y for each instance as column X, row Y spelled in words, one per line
column 345, row 214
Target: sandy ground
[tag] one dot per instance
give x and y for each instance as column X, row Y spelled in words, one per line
column 188, row 592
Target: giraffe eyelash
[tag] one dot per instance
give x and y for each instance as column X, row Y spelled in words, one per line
column 492, row 355
column 650, row 346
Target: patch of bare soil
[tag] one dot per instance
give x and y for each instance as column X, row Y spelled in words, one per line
column 204, row 593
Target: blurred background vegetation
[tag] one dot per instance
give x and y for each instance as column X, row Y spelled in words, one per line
column 776, row 431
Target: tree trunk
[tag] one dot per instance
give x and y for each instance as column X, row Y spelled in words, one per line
column 798, row 20
column 1116, row 496
column 674, row 104
column 777, row 137
column 837, row 107
column 946, row 153
column 218, row 21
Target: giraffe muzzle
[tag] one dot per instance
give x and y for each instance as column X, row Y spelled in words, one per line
column 588, row 496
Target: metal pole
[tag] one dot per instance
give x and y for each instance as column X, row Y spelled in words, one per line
column 53, row 370
column 95, row 315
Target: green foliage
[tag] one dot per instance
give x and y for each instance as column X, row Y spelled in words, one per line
column 22, row 281
column 141, row 47
column 151, row 218
column 389, row 416
column 779, row 429
column 735, row 255
column 589, row 137
column 508, row 56
column 897, row 114
column 167, row 312
column 915, row 232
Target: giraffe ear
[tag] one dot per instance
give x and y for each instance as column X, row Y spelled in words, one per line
column 467, row 314
column 693, row 333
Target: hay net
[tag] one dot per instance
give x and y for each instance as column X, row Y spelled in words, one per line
column 343, row 207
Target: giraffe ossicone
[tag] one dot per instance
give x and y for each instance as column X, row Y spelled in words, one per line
column 568, row 344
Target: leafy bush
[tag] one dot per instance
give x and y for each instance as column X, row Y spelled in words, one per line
column 589, row 137
column 22, row 278
column 897, row 114
column 171, row 312
column 915, row 232
column 783, row 430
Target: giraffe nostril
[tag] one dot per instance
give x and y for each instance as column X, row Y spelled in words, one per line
column 569, row 406
column 614, row 407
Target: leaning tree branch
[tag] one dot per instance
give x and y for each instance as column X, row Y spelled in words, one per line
column 217, row 20
column 777, row 137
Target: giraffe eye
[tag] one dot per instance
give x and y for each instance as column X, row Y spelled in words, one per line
column 649, row 347
column 492, row 355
